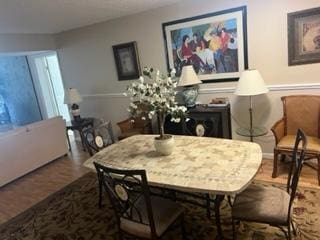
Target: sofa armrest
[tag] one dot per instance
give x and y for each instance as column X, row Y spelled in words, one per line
column 278, row 130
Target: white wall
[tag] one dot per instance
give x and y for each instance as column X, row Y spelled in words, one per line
column 87, row 60
column 10, row 43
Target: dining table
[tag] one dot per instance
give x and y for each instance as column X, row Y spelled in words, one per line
column 215, row 166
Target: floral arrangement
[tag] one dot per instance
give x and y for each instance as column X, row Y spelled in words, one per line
column 155, row 91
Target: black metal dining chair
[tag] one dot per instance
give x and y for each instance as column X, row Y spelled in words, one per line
column 138, row 213
column 268, row 204
column 98, row 137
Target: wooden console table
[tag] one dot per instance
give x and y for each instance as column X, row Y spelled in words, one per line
column 203, row 121
column 79, row 126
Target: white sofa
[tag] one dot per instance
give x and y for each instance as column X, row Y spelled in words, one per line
column 29, row 147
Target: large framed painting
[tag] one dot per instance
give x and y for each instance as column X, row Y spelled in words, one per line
column 127, row 60
column 215, row 44
column 304, row 37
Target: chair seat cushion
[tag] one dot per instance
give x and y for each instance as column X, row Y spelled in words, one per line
column 165, row 212
column 287, row 143
column 262, row 204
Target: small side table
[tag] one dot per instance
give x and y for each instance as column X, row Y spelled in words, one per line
column 79, row 126
column 254, row 132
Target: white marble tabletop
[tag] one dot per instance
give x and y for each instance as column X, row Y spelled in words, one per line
column 197, row 164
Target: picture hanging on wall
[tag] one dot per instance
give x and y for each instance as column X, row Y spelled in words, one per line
column 127, row 60
column 215, row 44
column 304, row 37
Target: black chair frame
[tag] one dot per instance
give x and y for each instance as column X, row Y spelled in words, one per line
column 135, row 185
column 292, row 183
column 91, row 133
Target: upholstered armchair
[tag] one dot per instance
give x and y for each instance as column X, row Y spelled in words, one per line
column 133, row 126
column 299, row 111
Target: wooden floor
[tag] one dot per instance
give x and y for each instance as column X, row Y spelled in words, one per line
column 26, row 191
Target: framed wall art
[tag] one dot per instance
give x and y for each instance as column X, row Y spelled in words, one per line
column 304, row 37
column 127, row 60
column 215, row 44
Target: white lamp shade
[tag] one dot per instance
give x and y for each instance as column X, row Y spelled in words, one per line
column 188, row 77
column 251, row 83
column 72, row 96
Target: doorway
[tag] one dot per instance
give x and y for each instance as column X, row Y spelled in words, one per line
column 45, row 70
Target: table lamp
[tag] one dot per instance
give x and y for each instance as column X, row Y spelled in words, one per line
column 72, row 96
column 190, row 81
column 250, row 84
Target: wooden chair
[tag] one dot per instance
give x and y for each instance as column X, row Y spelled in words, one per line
column 138, row 213
column 98, row 137
column 135, row 125
column 271, row 205
column 299, row 111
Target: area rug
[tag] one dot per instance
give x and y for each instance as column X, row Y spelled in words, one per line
column 72, row 213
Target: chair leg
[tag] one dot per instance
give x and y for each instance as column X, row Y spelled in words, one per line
column 229, row 201
column 100, row 194
column 319, row 170
column 121, row 235
column 293, row 228
column 234, row 233
column 289, row 231
column 208, row 206
column 275, row 164
column 183, row 229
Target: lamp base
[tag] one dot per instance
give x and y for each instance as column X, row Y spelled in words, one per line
column 76, row 114
column 190, row 95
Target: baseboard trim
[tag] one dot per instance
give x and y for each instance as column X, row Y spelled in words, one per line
column 272, row 88
column 267, row 156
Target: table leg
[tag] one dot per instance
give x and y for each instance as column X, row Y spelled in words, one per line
column 217, row 203
column 208, row 205
column 82, row 140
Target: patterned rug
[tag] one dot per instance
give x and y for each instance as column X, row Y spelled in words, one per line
column 72, row 213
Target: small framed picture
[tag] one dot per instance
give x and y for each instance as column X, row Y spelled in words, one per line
column 127, row 60
column 304, row 37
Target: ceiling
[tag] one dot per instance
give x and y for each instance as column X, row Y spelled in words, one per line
column 53, row 16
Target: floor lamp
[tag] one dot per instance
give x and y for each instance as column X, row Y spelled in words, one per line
column 250, row 84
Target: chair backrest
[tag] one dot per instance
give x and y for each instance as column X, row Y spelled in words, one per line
column 98, row 137
column 296, row 165
column 125, row 188
column 302, row 111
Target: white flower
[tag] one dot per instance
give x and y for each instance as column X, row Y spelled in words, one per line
column 125, row 94
column 158, row 95
column 133, row 106
column 143, row 118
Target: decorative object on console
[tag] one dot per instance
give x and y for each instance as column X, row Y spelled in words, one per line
column 214, row 43
column 219, row 102
column 127, row 60
column 72, row 96
column 157, row 93
column 251, row 84
column 304, row 37
column 189, row 80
